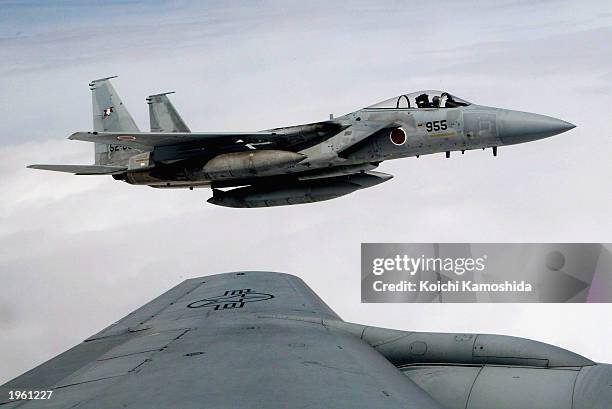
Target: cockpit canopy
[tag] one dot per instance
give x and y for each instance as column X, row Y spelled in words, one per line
column 422, row 99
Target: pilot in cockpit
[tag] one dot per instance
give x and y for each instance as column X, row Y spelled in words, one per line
column 422, row 101
column 450, row 101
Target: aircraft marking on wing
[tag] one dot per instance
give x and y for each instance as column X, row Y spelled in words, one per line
column 253, row 145
column 231, row 299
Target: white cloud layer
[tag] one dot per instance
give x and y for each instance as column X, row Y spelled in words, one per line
column 77, row 253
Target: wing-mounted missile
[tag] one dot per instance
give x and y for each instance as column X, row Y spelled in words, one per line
column 299, row 192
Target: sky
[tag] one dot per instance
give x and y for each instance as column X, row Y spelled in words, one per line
column 78, row 253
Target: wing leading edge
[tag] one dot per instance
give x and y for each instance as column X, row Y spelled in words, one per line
column 214, row 342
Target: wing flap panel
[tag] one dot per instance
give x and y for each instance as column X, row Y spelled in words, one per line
column 103, row 370
column 147, row 343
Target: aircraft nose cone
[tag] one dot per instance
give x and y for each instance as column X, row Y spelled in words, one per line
column 516, row 127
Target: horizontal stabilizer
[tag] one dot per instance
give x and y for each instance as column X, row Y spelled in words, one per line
column 82, row 169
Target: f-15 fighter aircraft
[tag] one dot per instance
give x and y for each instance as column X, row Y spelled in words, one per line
column 255, row 340
column 294, row 164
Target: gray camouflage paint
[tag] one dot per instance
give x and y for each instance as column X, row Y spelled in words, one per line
column 174, row 157
column 266, row 340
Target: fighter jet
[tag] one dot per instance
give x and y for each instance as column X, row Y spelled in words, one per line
column 294, row 164
column 265, row 340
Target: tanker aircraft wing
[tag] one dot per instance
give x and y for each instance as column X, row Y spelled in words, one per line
column 234, row 340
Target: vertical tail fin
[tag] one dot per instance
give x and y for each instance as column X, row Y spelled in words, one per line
column 163, row 116
column 109, row 114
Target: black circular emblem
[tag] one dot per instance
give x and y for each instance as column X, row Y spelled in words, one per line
column 231, row 299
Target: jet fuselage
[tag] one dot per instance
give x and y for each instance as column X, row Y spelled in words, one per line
column 392, row 134
column 294, row 164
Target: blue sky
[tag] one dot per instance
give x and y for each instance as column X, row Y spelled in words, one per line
column 92, row 249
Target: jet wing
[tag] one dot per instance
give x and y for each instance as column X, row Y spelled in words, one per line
column 150, row 140
column 82, row 169
column 294, row 137
column 223, row 341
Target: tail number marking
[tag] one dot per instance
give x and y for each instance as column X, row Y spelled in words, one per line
column 433, row 126
column 117, row 148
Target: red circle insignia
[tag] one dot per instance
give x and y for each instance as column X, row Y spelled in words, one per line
column 126, row 138
column 398, row 136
